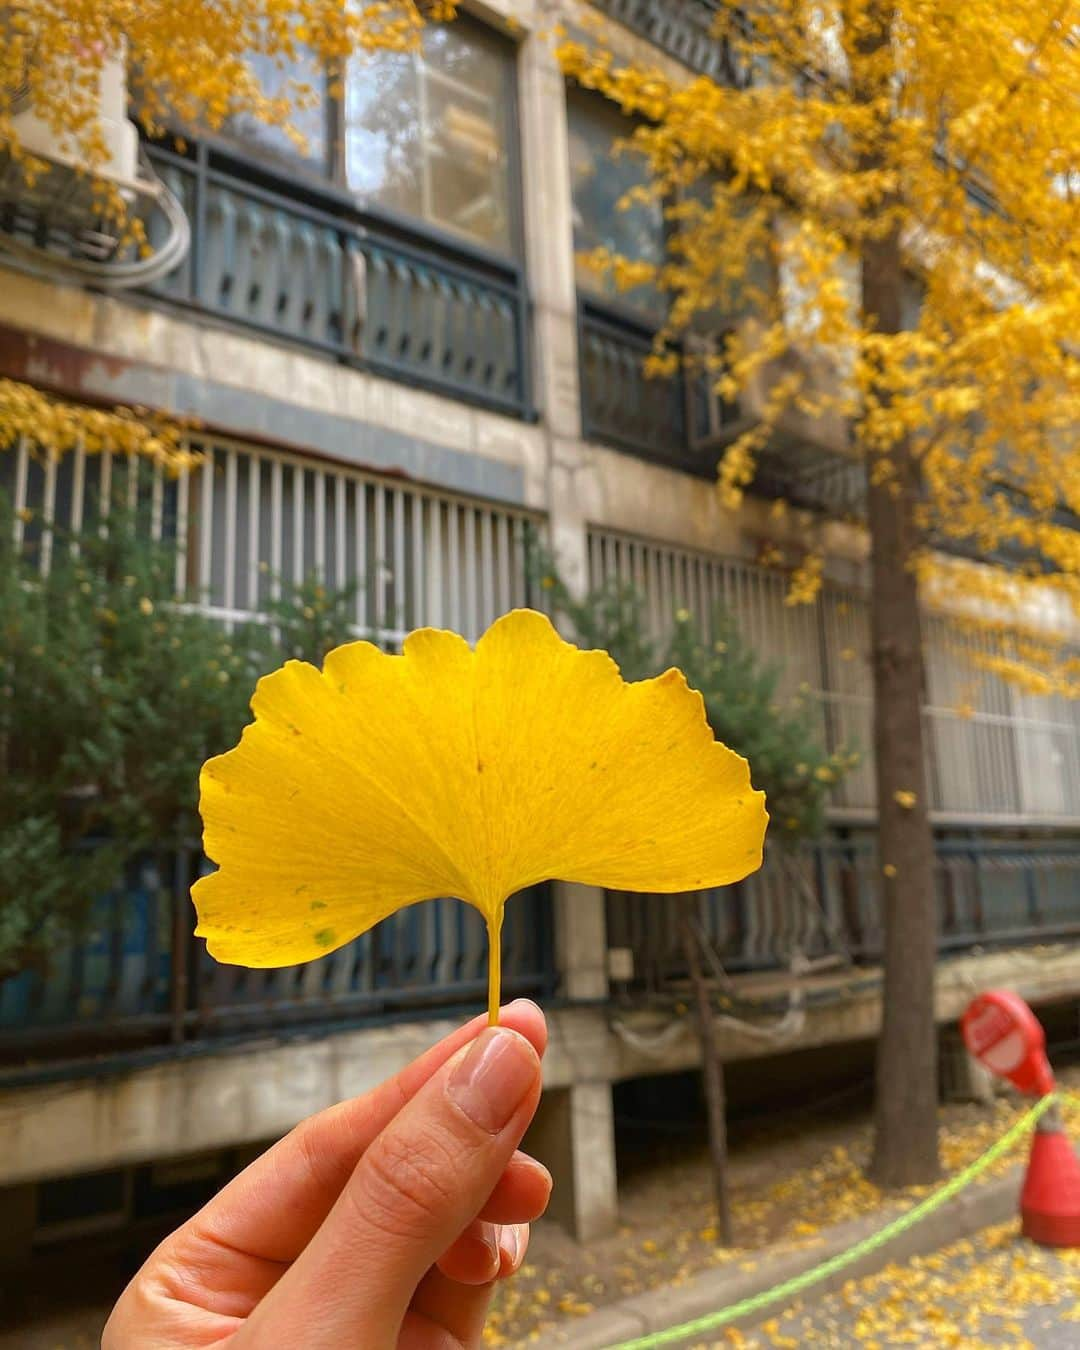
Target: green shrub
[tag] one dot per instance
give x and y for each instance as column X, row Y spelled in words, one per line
column 777, row 735
column 112, row 694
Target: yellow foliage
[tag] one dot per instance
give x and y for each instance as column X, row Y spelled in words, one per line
column 806, row 581
column 954, row 133
column 190, row 63
column 52, row 427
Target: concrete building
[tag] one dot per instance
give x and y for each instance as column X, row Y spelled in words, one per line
column 397, row 373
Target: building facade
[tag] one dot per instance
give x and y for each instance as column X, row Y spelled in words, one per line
column 398, row 377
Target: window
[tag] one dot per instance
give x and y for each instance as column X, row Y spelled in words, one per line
column 600, row 176
column 311, row 120
column 429, row 133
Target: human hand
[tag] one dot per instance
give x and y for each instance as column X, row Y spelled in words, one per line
column 381, row 1223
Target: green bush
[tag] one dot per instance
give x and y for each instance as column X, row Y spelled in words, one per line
column 745, row 710
column 112, row 693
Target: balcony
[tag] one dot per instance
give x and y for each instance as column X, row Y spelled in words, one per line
column 139, row 979
column 684, row 29
column 307, row 266
column 677, row 421
column 991, row 892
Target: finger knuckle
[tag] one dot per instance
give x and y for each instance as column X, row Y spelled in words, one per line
column 410, row 1181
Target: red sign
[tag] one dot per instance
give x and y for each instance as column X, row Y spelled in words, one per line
column 1005, row 1036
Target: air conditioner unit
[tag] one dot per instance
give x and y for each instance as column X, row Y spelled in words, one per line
column 116, row 131
column 54, row 220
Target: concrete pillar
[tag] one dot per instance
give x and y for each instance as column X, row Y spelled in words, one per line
column 574, row 1137
column 581, row 941
column 574, row 1129
column 549, row 235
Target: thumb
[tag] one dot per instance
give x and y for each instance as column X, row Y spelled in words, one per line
column 425, row 1177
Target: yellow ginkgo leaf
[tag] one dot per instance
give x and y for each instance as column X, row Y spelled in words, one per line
column 447, row 771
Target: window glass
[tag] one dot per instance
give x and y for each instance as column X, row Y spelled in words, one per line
column 311, row 120
column 600, row 177
column 427, row 133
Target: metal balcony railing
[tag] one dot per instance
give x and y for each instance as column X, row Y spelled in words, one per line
column 995, row 755
column 312, row 268
column 685, row 29
column 991, row 891
column 248, row 519
column 137, row 976
column 676, row 420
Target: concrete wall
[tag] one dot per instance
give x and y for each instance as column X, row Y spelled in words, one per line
column 249, row 1094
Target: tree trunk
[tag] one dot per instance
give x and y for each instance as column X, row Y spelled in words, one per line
column 905, row 1135
column 712, row 1071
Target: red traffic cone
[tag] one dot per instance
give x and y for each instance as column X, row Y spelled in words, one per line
column 1050, row 1200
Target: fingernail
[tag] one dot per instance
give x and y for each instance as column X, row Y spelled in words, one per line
column 493, row 1078
column 509, row 1248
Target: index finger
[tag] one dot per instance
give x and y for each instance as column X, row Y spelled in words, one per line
column 274, row 1207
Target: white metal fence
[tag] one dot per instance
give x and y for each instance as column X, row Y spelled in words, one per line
column 247, row 521
column 995, row 754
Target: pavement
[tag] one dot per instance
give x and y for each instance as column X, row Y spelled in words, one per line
column 984, row 1206
column 993, row 1290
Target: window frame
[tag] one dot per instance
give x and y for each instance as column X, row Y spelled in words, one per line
column 616, row 303
column 309, row 182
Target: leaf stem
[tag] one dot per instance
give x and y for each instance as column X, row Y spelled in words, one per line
column 494, row 927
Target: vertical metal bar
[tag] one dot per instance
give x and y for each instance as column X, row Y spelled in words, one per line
column 78, row 493
column 519, row 581
column 298, row 524
column 254, row 529
column 22, row 471
column 503, row 564
column 453, row 521
column 157, row 498
column 362, row 577
column 400, row 578
column 655, row 566
column 637, row 566
column 105, row 484
column 340, row 513
column 472, row 628
column 435, row 567
column 48, row 511
column 183, row 484
column 206, row 529
column 593, row 547
column 132, row 480
column 231, row 470
column 380, row 560
column 277, row 525
column 319, row 479
column 487, row 569
column 420, row 506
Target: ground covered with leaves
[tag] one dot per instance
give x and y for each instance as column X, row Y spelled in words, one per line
column 994, row 1290
column 789, row 1181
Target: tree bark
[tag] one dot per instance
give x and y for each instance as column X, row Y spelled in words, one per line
column 905, row 1133
column 712, row 1071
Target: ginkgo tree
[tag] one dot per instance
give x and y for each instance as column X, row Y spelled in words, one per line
column 910, row 172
